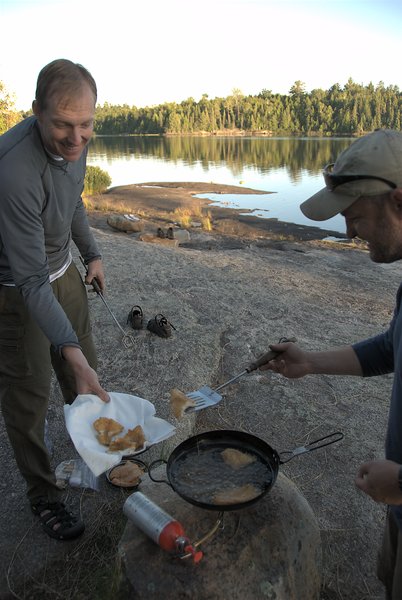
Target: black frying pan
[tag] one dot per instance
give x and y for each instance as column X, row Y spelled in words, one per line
column 197, row 472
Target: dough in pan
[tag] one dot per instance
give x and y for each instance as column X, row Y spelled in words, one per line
column 237, row 459
column 236, row 495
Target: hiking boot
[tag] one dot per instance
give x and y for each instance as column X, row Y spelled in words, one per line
column 135, row 317
column 161, row 326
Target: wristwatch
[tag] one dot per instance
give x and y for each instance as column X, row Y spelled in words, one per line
column 400, row 478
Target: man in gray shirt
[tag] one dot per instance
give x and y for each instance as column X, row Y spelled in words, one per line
column 365, row 186
column 44, row 318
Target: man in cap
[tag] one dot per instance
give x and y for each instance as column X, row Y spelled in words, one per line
column 44, row 318
column 365, row 186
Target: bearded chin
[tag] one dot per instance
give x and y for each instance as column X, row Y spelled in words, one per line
column 382, row 255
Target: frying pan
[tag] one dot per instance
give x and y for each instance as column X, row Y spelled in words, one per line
column 196, row 471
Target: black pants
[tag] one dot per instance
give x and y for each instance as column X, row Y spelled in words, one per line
column 389, row 569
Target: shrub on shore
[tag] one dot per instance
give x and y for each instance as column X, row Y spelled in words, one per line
column 96, row 180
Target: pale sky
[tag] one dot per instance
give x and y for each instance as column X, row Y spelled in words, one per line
column 146, row 52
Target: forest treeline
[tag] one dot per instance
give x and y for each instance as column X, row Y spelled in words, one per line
column 353, row 109
column 350, row 110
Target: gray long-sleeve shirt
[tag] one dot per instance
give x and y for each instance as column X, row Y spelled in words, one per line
column 41, row 211
column 380, row 355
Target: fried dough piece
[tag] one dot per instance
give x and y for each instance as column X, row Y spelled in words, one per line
column 137, row 436
column 236, row 495
column 179, row 402
column 128, row 474
column 121, row 443
column 106, row 428
column 133, row 440
column 237, row 459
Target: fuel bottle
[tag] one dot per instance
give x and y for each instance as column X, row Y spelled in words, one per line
column 158, row 525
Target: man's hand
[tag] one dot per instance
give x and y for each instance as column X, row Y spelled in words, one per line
column 95, row 271
column 379, row 479
column 86, row 378
column 291, row 362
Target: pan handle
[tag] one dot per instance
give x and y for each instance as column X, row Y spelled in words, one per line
column 152, row 465
column 337, row 436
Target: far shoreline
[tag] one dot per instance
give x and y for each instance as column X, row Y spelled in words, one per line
column 237, row 133
column 156, row 203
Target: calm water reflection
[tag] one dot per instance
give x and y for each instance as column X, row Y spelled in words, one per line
column 289, row 167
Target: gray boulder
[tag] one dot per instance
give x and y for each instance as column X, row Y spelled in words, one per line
column 124, row 224
column 270, row 550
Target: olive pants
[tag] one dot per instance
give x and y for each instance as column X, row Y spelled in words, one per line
column 389, row 568
column 26, row 360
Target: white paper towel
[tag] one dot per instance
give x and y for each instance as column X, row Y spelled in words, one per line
column 128, row 410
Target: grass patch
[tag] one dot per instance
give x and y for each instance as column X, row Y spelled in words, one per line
column 97, row 202
column 91, row 570
column 207, row 222
column 102, row 204
column 184, row 217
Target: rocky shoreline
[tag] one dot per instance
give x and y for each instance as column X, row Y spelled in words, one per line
column 156, row 202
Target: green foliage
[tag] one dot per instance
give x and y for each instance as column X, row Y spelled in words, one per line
column 8, row 115
column 96, row 180
column 353, row 109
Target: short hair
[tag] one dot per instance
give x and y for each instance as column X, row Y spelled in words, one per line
column 62, row 76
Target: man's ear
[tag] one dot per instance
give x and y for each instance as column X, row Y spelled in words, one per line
column 35, row 108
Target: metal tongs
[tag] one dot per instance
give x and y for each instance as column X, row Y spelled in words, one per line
column 127, row 339
column 206, row 396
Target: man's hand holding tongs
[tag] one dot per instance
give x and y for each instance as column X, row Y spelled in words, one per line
column 96, row 275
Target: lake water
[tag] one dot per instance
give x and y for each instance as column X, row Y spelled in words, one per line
column 289, row 167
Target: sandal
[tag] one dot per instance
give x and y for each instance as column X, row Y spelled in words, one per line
column 135, row 317
column 170, row 233
column 161, row 326
column 56, row 520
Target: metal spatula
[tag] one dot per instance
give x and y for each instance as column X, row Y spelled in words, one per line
column 206, row 396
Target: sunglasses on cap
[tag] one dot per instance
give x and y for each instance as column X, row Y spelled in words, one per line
column 332, row 180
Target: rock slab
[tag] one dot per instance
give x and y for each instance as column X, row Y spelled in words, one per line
column 270, row 550
column 123, row 224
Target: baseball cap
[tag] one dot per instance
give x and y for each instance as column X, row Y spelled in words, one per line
column 370, row 166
